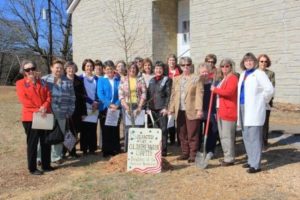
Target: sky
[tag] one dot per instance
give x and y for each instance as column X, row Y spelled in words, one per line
column 43, row 24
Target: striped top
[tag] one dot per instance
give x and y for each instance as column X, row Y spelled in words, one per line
column 63, row 96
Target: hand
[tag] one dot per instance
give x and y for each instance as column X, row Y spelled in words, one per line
column 170, row 113
column 137, row 111
column 95, row 105
column 126, row 107
column 212, row 88
column 199, row 114
column 113, row 107
column 42, row 110
column 148, row 112
column 83, row 117
column 164, row 112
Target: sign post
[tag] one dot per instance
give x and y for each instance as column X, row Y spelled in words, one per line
column 144, row 150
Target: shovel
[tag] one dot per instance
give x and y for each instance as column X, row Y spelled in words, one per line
column 201, row 159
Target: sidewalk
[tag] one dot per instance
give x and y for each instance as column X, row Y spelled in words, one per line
column 285, row 134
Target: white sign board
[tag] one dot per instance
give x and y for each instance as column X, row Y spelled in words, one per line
column 144, row 150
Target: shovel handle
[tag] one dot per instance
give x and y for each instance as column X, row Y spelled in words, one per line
column 208, row 115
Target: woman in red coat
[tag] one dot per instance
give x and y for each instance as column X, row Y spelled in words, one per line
column 227, row 110
column 34, row 97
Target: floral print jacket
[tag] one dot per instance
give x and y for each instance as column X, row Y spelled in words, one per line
column 141, row 90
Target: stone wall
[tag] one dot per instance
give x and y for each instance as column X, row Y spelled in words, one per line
column 231, row 28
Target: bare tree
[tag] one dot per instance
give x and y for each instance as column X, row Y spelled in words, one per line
column 124, row 24
column 29, row 13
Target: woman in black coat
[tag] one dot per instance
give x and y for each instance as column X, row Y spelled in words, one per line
column 80, row 106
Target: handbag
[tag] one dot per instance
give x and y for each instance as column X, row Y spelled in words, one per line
column 55, row 136
column 70, row 139
column 42, row 123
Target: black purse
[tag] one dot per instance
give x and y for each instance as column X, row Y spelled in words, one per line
column 55, row 136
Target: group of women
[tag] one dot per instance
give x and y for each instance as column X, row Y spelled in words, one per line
column 167, row 89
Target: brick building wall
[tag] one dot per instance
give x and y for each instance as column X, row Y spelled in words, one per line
column 164, row 29
column 95, row 35
column 231, row 28
column 227, row 28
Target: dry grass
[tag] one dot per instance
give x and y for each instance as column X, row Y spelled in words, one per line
column 91, row 177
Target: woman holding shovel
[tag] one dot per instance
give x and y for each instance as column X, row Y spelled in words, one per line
column 227, row 110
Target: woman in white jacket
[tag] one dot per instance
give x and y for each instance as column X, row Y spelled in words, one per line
column 254, row 91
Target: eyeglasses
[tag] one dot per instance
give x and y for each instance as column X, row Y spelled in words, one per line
column 225, row 66
column 30, row 69
column 210, row 61
column 263, row 61
column 186, row 65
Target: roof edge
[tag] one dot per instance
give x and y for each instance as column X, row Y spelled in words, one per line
column 72, row 6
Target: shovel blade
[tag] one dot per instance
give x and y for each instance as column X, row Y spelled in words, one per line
column 201, row 160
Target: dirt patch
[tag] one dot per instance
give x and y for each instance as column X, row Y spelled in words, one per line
column 287, row 107
column 94, row 177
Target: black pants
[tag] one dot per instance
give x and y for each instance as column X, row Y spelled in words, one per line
column 266, row 128
column 110, row 137
column 33, row 138
column 88, row 137
column 172, row 134
column 161, row 122
column 212, row 134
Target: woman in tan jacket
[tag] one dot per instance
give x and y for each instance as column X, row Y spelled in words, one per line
column 186, row 104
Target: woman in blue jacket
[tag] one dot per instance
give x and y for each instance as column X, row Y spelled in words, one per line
column 107, row 92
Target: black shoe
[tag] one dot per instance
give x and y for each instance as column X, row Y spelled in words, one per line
column 36, row 172
column 49, row 169
column 59, row 162
column 183, row 157
column 252, row 170
column 105, row 155
column 246, row 165
column 164, row 154
column 226, row 164
column 84, row 152
column 75, row 155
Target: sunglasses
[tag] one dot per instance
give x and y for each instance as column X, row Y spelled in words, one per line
column 30, row 69
column 225, row 66
column 185, row 65
column 263, row 61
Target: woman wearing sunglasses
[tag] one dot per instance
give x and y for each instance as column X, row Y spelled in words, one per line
column 227, row 110
column 264, row 63
column 186, row 105
column 34, row 96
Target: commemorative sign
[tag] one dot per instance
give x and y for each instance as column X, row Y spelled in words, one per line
column 144, row 150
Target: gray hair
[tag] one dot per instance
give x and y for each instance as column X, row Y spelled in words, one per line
column 188, row 60
column 71, row 64
column 203, row 65
column 228, row 61
column 25, row 62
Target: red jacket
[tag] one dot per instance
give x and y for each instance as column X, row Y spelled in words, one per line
column 228, row 98
column 32, row 97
